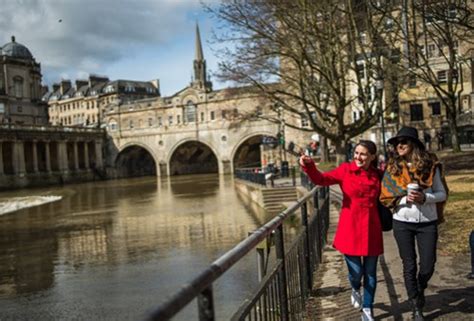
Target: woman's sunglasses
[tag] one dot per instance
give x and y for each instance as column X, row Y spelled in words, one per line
column 403, row 141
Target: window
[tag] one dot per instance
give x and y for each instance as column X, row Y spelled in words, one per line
column 150, row 122
column 435, row 108
column 304, row 121
column 416, row 112
column 442, row 76
column 431, row 51
column 213, row 115
column 170, row 120
column 20, row 109
column 18, row 86
column 113, row 125
column 130, row 124
column 412, row 81
column 388, row 24
column 202, row 117
column 190, row 112
column 160, row 121
column 178, row 119
column 224, row 114
column 360, row 69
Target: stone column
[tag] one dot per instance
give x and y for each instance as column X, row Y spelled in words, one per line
column 35, row 157
column 1, row 158
column 18, row 158
column 98, row 155
column 48, row 157
column 62, row 157
column 86, row 155
column 76, row 157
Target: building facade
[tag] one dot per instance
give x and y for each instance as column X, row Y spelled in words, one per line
column 20, row 87
column 83, row 103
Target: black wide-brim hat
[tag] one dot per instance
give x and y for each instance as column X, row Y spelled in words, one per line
column 410, row 133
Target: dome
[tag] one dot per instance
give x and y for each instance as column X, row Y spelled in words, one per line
column 16, row 50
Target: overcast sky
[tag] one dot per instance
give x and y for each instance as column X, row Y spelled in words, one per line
column 121, row 39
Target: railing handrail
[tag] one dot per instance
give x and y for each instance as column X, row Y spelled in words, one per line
column 191, row 290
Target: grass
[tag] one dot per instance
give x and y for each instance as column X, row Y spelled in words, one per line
column 459, row 213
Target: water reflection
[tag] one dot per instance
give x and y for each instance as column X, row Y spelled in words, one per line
column 113, row 250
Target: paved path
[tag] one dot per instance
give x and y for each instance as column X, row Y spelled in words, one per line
column 450, row 296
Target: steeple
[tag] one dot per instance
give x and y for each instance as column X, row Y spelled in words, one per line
column 199, row 55
column 200, row 80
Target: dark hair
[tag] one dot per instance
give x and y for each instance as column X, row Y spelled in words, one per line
column 371, row 147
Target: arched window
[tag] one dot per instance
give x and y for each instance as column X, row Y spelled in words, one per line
column 112, row 125
column 190, row 112
column 18, row 86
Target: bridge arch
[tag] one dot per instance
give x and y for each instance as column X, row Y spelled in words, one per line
column 191, row 156
column 135, row 159
column 247, row 153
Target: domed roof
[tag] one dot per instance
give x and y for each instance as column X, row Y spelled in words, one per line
column 16, row 50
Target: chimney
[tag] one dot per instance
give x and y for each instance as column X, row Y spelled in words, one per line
column 95, row 79
column 65, row 86
column 80, row 83
column 55, row 87
column 44, row 90
column 156, row 84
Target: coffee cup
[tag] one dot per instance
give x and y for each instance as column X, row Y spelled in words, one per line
column 412, row 187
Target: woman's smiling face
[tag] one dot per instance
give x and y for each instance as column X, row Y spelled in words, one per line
column 362, row 157
column 404, row 147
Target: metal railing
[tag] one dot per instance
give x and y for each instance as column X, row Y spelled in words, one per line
column 282, row 293
column 250, row 174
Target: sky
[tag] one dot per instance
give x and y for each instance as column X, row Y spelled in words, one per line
column 122, row 39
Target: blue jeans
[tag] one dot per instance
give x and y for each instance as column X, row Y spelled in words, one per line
column 363, row 266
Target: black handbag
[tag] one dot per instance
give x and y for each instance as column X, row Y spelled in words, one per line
column 386, row 217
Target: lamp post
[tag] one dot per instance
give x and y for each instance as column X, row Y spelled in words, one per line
column 379, row 88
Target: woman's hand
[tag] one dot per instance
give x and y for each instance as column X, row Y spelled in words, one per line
column 416, row 197
column 305, row 160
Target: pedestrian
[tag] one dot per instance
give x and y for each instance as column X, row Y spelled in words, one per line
column 440, row 139
column 412, row 186
column 427, row 139
column 470, row 276
column 359, row 232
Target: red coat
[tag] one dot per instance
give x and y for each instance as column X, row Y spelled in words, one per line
column 359, row 232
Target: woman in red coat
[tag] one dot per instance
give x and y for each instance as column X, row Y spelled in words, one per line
column 359, row 232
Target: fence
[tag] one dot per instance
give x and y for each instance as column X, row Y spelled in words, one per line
column 249, row 174
column 282, row 293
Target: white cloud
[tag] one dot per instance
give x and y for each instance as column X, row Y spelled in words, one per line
column 78, row 37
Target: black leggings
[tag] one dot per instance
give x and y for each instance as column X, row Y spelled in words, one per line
column 426, row 237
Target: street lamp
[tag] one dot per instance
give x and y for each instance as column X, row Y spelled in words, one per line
column 379, row 92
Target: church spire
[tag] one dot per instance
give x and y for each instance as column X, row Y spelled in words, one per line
column 199, row 54
column 200, row 80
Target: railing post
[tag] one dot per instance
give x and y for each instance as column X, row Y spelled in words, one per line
column 282, row 283
column 316, row 241
column 293, row 175
column 206, row 305
column 307, row 260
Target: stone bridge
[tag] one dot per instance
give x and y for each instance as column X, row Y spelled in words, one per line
column 190, row 148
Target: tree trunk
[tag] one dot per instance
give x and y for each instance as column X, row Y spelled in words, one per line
column 340, row 152
column 324, row 149
column 453, row 127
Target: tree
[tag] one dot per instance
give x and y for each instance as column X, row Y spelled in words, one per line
column 318, row 60
column 437, row 39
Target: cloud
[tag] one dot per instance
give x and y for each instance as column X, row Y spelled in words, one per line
column 74, row 37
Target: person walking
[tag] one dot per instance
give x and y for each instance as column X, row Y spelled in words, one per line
column 359, row 232
column 412, row 186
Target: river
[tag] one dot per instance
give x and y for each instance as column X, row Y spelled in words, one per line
column 114, row 250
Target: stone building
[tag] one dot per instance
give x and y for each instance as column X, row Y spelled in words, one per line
column 20, row 86
column 83, row 103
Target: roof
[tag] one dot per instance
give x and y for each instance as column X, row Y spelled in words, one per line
column 16, row 50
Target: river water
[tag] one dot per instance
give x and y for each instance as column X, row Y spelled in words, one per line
column 114, row 250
